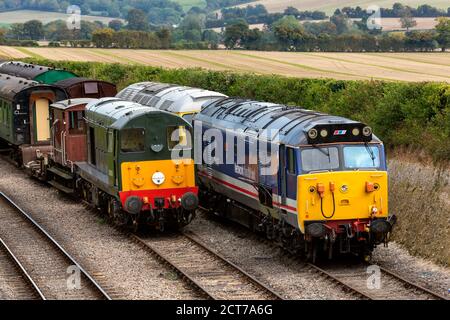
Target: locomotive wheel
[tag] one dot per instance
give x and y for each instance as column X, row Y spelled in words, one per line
column 116, row 213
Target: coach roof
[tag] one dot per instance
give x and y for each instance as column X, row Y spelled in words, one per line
column 69, row 82
column 10, row 86
column 35, row 72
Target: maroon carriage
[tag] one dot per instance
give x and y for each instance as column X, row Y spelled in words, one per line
column 68, row 138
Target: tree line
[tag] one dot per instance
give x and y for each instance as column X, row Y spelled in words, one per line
column 338, row 34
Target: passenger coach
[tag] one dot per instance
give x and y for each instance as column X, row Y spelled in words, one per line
column 24, row 117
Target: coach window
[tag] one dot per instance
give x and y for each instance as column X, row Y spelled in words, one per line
column 291, row 161
column 91, row 88
column 132, row 140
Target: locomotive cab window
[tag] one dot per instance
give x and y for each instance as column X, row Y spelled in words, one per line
column 132, row 140
column 77, row 124
column 178, row 137
column 320, row 159
column 361, row 157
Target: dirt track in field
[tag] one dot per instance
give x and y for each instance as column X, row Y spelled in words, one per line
column 346, row 66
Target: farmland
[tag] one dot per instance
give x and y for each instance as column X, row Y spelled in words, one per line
column 187, row 4
column 21, row 16
column 346, row 66
column 329, row 6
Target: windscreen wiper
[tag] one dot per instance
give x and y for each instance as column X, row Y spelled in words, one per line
column 370, row 151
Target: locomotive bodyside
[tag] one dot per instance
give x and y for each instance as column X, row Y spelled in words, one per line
column 305, row 178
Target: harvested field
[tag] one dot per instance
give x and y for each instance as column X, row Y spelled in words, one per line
column 345, row 66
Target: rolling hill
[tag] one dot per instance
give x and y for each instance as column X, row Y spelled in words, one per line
column 330, row 5
column 20, row 16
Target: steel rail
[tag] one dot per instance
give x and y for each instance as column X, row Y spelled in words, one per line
column 47, row 236
column 32, row 284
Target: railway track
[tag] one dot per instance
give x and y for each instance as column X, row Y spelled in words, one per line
column 353, row 279
column 211, row 274
column 389, row 286
column 49, row 268
column 18, row 284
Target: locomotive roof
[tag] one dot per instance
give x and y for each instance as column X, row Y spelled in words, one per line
column 67, row 104
column 69, row 82
column 10, row 86
column 116, row 113
column 169, row 97
column 26, row 70
column 273, row 122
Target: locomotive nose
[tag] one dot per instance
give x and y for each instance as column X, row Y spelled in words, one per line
column 189, row 201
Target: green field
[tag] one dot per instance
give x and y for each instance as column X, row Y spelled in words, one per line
column 187, row 4
column 21, row 16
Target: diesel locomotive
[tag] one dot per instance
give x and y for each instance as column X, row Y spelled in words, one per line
column 315, row 183
column 132, row 162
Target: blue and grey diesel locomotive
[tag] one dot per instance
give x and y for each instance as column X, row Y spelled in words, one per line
column 315, row 183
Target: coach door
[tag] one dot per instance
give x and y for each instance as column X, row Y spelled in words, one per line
column 42, row 120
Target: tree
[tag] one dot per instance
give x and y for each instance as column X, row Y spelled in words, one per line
column 115, row 24
column 443, row 33
column 33, row 29
column 407, row 20
column 16, row 31
column 165, row 37
column 291, row 11
column 137, row 20
column 235, row 33
column 289, row 30
column 2, row 35
column 211, row 37
column 343, row 24
column 103, row 38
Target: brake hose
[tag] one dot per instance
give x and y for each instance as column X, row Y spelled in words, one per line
column 334, row 207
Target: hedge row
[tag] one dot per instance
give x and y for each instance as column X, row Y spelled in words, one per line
column 402, row 114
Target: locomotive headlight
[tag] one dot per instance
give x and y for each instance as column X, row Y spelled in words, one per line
column 323, row 133
column 355, row 132
column 312, row 134
column 367, row 131
column 158, row 178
